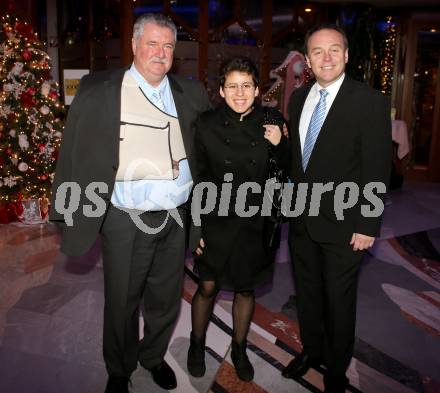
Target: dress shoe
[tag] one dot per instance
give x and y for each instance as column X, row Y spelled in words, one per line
column 164, row 376
column 196, row 357
column 243, row 366
column 335, row 385
column 299, row 366
column 117, row 384
column 332, row 390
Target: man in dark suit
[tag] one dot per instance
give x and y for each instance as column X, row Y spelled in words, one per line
column 142, row 264
column 341, row 136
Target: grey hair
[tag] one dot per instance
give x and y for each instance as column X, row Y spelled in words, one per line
column 157, row 19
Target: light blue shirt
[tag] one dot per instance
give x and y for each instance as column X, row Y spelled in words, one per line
column 153, row 195
column 164, row 90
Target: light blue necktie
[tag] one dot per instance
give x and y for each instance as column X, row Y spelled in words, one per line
column 315, row 125
column 157, row 100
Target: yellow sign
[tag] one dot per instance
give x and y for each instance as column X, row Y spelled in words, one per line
column 71, row 86
column 71, row 82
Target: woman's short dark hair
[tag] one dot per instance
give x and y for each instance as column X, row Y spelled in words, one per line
column 240, row 64
column 325, row 26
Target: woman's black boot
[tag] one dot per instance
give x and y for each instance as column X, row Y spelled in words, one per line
column 243, row 366
column 196, row 357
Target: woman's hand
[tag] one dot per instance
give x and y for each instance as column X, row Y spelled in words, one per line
column 199, row 249
column 272, row 133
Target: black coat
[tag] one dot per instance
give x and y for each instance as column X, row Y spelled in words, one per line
column 233, row 245
column 90, row 146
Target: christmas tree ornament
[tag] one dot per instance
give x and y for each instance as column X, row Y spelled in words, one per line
column 23, row 167
column 17, row 68
column 44, row 109
column 26, row 55
column 27, row 100
column 8, row 87
column 45, row 89
column 23, row 141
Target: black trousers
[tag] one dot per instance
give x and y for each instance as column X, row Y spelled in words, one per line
column 326, row 277
column 140, row 268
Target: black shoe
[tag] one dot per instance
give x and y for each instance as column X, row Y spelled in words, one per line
column 164, row 376
column 339, row 389
column 117, row 384
column 196, row 357
column 335, row 384
column 299, row 366
column 243, row 366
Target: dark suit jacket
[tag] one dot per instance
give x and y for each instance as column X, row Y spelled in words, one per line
column 90, row 146
column 354, row 145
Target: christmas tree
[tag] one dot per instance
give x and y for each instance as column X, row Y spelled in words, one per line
column 30, row 114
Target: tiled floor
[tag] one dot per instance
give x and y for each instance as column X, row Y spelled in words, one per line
column 51, row 315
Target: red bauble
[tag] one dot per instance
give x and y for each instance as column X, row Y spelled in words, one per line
column 55, row 155
column 25, row 30
column 27, row 99
column 53, row 94
column 31, row 90
column 26, row 55
column 9, row 152
column 43, row 177
column 41, row 147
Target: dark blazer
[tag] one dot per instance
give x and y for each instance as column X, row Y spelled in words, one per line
column 354, row 145
column 90, row 145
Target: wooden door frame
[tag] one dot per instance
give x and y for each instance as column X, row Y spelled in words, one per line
column 416, row 23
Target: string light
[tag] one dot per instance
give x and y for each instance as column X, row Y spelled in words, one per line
column 387, row 60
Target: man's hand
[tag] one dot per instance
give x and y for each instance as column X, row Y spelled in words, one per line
column 199, row 250
column 361, row 242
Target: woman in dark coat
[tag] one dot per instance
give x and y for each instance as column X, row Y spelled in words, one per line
column 232, row 147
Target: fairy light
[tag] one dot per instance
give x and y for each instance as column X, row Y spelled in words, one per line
column 387, row 61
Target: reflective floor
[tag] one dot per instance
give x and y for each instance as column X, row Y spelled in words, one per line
column 51, row 315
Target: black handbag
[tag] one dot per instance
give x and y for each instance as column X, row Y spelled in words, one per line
column 272, row 223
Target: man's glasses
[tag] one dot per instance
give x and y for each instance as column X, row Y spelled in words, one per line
column 246, row 87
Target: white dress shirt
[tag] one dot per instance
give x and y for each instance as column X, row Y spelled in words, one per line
column 312, row 100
